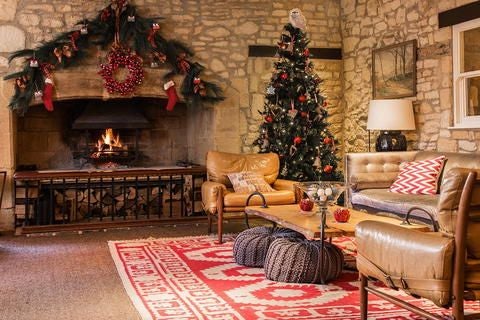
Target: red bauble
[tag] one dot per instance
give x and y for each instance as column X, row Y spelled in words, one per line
column 306, row 204
column 306, row 52
column 302, row 98
column 196, row 80
column 304, row 114
column 327, row 140
column 325, row 103
column 269, row 119
column 341, row 214
column 284, row 76
column 328, row 168
column 297, row 140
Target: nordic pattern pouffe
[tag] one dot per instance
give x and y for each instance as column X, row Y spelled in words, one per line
column 251, row 246
column 296, row 260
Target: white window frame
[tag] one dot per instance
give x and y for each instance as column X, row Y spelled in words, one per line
column 461, row 119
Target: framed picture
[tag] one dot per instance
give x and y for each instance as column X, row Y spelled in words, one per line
column 394, row 71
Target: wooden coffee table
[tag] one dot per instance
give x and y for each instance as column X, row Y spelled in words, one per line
column 290, row 216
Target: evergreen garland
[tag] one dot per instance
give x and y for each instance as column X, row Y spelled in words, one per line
column 295, row 114
column 140, row 34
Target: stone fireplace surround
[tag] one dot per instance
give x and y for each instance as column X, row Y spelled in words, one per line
column 188, row 131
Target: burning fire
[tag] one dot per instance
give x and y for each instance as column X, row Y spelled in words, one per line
column 108, row 144
column 109, row 141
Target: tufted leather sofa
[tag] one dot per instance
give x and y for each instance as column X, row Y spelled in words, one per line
column 218, row 196
column 371, row 174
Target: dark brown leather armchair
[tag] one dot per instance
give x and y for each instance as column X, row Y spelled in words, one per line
column 443, row 267
column 218, row 196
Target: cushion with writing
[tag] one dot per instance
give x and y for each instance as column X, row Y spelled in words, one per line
column 418, row 177
column 248, row 182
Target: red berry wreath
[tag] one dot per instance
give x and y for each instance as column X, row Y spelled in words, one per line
column 122, row 58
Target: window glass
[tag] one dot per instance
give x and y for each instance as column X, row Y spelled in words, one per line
column 473, row 85
column 466, row 75
column 471, row 53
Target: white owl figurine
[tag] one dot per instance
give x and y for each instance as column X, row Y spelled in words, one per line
column 297, row 19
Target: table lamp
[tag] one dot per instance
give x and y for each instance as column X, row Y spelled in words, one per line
column 390, row 116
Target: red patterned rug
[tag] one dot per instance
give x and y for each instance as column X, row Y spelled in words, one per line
column 194, row 278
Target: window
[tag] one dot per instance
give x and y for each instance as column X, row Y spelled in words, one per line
column 466, row 74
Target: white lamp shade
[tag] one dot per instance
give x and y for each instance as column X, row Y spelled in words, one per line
column 390, row 114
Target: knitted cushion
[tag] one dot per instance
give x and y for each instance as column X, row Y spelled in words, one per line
column 295, row 260
column 251, row 246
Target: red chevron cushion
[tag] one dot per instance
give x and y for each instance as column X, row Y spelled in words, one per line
column 418, row 177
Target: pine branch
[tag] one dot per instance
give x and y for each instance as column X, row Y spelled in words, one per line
column 101, row 32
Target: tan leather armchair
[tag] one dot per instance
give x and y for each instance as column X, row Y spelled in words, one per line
column 218, row 196
column 443, row 266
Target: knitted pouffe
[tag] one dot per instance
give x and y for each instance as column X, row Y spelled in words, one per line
column 251, row 246
column 295, row 260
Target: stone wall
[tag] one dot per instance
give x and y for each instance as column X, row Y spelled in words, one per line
column 218, row 31
column 370, row 24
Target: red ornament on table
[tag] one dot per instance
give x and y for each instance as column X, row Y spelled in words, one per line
column 297, row 140
column 341, row 214
column 306, row 204
column 269, row 119
column 327, row 140
column 302, row 98
column 328, row 168
column 284, row 76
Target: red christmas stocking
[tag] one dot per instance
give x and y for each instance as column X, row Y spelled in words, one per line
column 47, row 94
column 172, row 95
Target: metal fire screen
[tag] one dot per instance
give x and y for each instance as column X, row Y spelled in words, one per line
column 56, row 197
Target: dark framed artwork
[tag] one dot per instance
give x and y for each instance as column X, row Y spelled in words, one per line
column 394, row 71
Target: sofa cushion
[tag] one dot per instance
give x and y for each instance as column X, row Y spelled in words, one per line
column 383, row 200
column 419, row 177
column 248, row 182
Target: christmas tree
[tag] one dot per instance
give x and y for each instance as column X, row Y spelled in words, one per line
column 295, row 113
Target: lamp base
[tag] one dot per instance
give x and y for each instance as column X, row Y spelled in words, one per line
column 391, row 141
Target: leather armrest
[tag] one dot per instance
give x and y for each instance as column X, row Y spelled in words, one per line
column 289, row 185
column 282, row 184
column 408, row 254
column 210, row 193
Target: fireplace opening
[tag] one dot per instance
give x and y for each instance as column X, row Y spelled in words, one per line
column 93, row 133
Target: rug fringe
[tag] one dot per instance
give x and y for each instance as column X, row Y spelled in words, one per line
column 213, row 236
